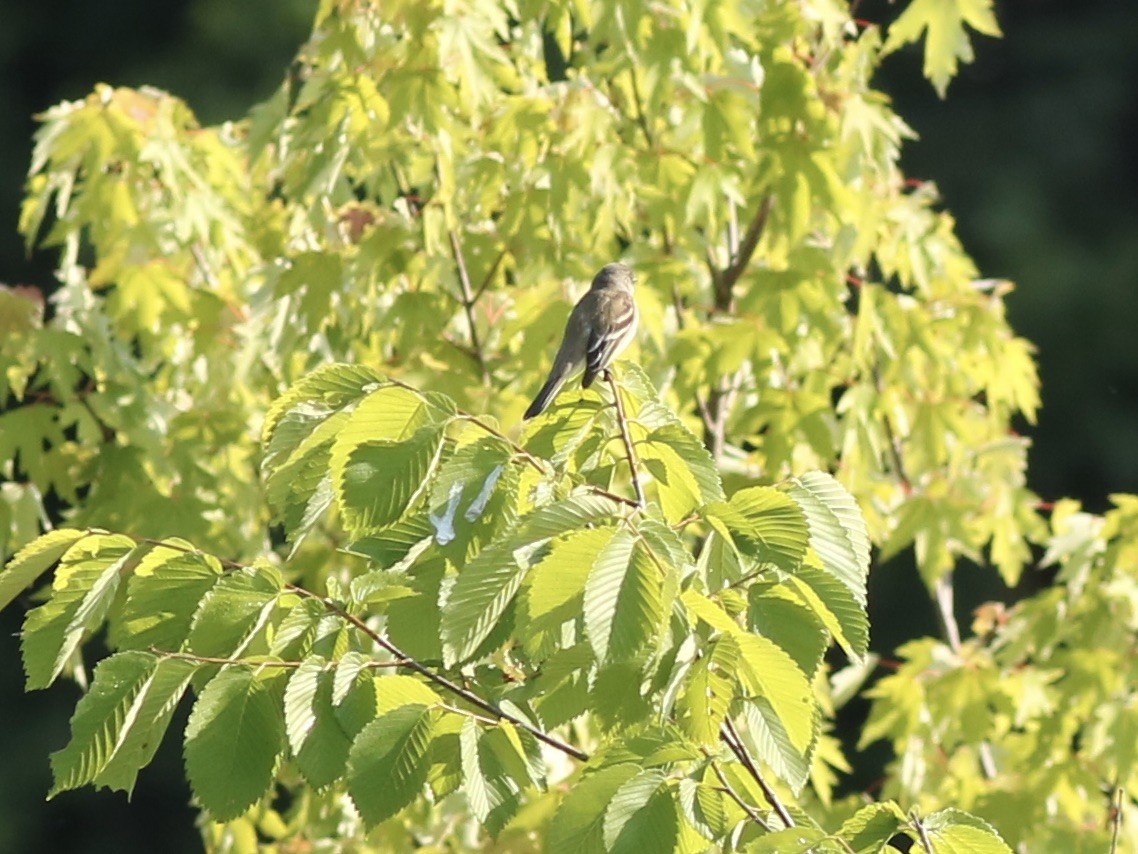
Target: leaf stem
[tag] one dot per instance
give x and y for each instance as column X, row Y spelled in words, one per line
column 247, row 662
column 627, row 438
column 1116, row 818
column 731, row 738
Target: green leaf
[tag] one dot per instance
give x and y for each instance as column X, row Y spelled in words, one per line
column 564, row 516
column 30, row 561
column 953, row 831
column 773, row 744
column 766, row 671
column 119, row 723
column 233, row 616
column 324, row 710
column 685, row 475
column 328, row 388
column 234, row 740
column 837, row 529
column 703, row 806
column 641, row 816
column 947, row 42
column 553, row 590
column 377, row 481
column 163, row 594
column 578, row 825
column 835, row 605
column 793, row 626
column 479, row 596
column 763, row 523
column 492, row 791
column 709, row 690
column 624, row 599
column 869, row 830
column 793, row 840
column 86, row 583
column 387, row 765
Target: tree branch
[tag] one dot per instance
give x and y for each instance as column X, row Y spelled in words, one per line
column 1116, row 818
column 626, row 436
column 724, row 280
column 730, row 737
column 468, row 300
column 926, row 843
column 443, row 681
column 735, row 796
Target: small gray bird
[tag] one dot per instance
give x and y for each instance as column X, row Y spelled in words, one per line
column 600, row 326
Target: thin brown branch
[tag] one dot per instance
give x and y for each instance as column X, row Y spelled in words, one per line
column 442, row 681
column 724, row 280
column 489, row 277
column 627, row 438
column 736, row 797
column 639, row 104
column 468, row 299
column 926, row 843
column 730, row 737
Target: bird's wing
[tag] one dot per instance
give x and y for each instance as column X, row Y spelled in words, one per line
column 608, row 338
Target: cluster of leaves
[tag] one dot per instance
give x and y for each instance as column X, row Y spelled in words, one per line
column 421, row 196
column 474, row 560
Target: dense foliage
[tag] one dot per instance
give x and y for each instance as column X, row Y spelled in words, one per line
column 275, row 403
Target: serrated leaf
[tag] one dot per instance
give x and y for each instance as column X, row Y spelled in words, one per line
column 578, row 825
column 387, row 764
column 767, row 671
column 561, row 517
column 163, row 594
column 763, row 523
column 330, row 387
column 708, row 692
column 322, row 717
column 793, row 626
column 376, row 481
column 954, row 831
column 234, row 741
column 773, row 745
column 869, row 830
column 793, row 840
column 119, row 723
column 479, row 596
column 553, row 591
column 683, row 471
column 837, row 529
column 624, row 600
column 947, row 43
column 492, row 792
column 233, row 615
column 835, row 605
column 641, row 816
column 86, row 583
column 33, row 559
column 703, row 806
column 395, row 690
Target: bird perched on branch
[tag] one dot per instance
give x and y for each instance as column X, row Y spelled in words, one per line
column 600, row 326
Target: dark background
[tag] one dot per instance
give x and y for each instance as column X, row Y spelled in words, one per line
column 1035, row 153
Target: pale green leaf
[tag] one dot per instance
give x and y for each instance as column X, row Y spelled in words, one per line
column 766, row 671
column 953, row 831
column 763, row 523
column 86, row 583
column 232, row 617
column 837, row 529
column 30, row 561
column 869, row 830
column 376, row 481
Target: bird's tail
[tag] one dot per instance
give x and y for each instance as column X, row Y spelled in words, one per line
column 547, row 393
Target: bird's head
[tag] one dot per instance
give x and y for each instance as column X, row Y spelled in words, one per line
column 614, row 276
